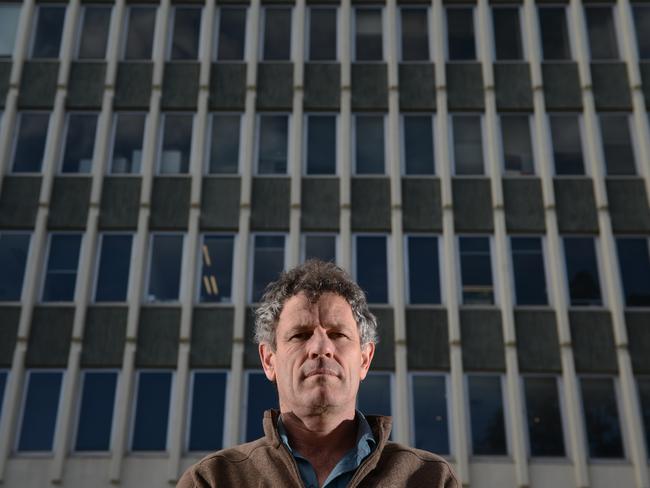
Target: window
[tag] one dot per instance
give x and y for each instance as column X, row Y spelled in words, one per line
column 545, row 436
column 321, row 144
column 31, row 134
column 517, row 145
column 643, row 384
column 372, row 267
column 273, row 144
column 151, row 417
column 14, row 247
column 128, row 134
column 415, row 34
column 232, row 34
column 268, row 262
column 374, row 397
column 423, row 269
column 369, row 144
column 528, row 268
column 96, row 411
column 476, row 270
column 262, row 395
column 207, row 410
column 368, row 42
column 467, row 144
column 604, row 437
column 319, row 246
column 418, row 144
column 40, row 408
column 224, row 145
column 62, row 262
column 601, row 32
column 176, row 143
column 3, row 384
column 641, row 16
column 48, row 31
column 216, row 268
column 634, row 263
column 507, row 34
column 277, row 34
column 430, row 421
column 9, row 17
column 185, row 37
column 567, row 146
column 79, row 143
column 113, row 268
column 165, row 267
column 617, row 144
column 94, row 32
column 322, row 34
column 139, row 33
column 554, row 32
column 486, row 415
column 460, row 34
column 582, row 271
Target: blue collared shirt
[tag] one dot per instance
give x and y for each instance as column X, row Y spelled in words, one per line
column 345, row 468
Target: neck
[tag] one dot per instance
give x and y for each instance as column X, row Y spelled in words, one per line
column 329, row 433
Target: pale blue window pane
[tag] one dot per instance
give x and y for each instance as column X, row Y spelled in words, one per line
column 39, row 411
column 544, row 419
column 476, row 271
column 207, row 415
column 374, row 395
column 460, row 34
column 232, row 34
column 617, row 144
column 187, row 26
column 114, row 265
column 152, row 411
column 139, row 38
column 322, row 34
column 554, row 33
column 61, row 274
column 582, row 271
column 369, row 130
column 224, row 148
column 641, row 16
column 634, row 263
column 277, row 34
column 644, row 396
column 13, row 257
column 127, row 142
column 96, row 411
column 567, row 148
column 468, row 144
column 431, row 422
column 321, row 145
column 94, row 32
column 216, row 268
column 528, row 268
column 165, row 268
column 372, row 268
column 79, row 143
column 262, row 395
column 268, row 263
column 48, row 31
column 368, row 41
column 320, row 247
column 486, row 412
column 517, row 146
column 9, row 16
column 418, row 145
column 415, row 34
column 423, row 269
column 604, row 437
column 176, row 144
column 30, row 142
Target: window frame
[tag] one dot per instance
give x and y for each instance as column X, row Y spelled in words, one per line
column 599, row 266
column 64, row 138
column 448, row 403
column 407, row 270
column 390, row 299
column 217, row 33
column 533, row 146
column 571, row 47
column 459, row 269
column 583, row 144
column 80, row 28
column 402, row 143
column 111, row 149
column 400, row 37
column 353, row 33
column 124, row 37
column 47, row 259
column 208, row 143
column 522, row 32
column 11, row 56
column 257, row 145
column 460, row 6
column 452, row 150
column 251, row 259
column 34, row 30
column 305, row 145
column 97, row 262
column 161, row 141
column 615, row 25
column 621, row 287
column 147, row 279
column 303, row 243
column 512, row 278
column 171, row 30
column 243, row 420
column 190, row 404
column 353, row 144
column 393, row 393
column 29, row 253
column 262, row 32
column 307, row 32
column 14, row 141
column 634, row 144
column 199, row 268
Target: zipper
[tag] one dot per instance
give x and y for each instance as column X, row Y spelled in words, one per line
column 294, row 465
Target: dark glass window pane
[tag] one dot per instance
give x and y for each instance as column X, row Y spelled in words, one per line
column 232, row 34
column 374, row 395
column 152, row 411
column 96, row 412
column 507, row 34
column 601, row 418
column 567, row 148
column 644, row 397
column 268, row 263
column 582, row 271
column 415, row 34
column 176, row 143
column 272, row 158
column 224, row 148
column 277, row 34
column 368, row 40
column 127, row 142
column 113, row 271
column 476, row 270
column 418, row 145
column 9, row 17
column 79, row 143
column 544, row 419
column 30, row 142
column 94, row 32
column 369, row 131
column 3, row 383
column 430, row 421
column 187, row 26
column 528, row 267
column 49, row 28
column 486, row 412
column 39, row 411
column 554, row 33
column 139, row 38
column 13, row 257
column 641, row 16
column 320, row 247
column 262, row 395
column 634, row 262
column 617, row 144
column 517, row 146
column 372, row 268
column 165, row 267
column 321, row 145
column 322, row 34
column 468, row 144
column 61, row 275
column 216, row 268
column 423, row 274
column 460, row 34
column 208, row 406
column 600, row 29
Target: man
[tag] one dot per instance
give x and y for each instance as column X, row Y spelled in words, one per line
column 316, row 341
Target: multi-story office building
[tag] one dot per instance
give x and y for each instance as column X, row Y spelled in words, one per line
column 482, row 169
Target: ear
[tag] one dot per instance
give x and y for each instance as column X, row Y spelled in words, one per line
column 267, row 357
column 367, row 353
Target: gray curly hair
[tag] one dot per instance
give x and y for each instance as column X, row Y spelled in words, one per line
column 313, row 278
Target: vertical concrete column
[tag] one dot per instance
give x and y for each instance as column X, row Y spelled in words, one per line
column 344, row 155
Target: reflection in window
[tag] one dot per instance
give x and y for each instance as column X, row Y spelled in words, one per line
column 96, row 411
column 262, row 395
column 232, row 34
column 61, row 273
column 151, row 418
column 460, row 34
column 567, row 148
column 322, row 34
column 528, row 268
column 643, row 384
column 185, row 37
column 277, row 34
column 320, row 246
column 207, row 411
column 14, row 247
column 582, row 271
column 601, row 418
column 507, row 33
column 468, row 144
column 415, row 34
column 9, row 16
column 176, row 143
column 268, row 262
column 430, row 425
column 79, row 143
column 423, row 269
column 476, row 270
column 418, row 144
column 374, row 395
column 113, row 270
column 634, row 263
column 165, row 267
column 517, row 146
column 224, row 145
column 48, row 31
column 139, row 34
column 31, row 133
column 369, row 144
column 321, row 144
column 94, row 32
column 372, row 267
column 368, row 39
column 544, row 419
column 273, row 144
column 40, row 409
column 641, row 17
column 486, row 414
column 601, row 32
column 617, row 144
column 554, row 33
column 216, row 268
column 127, row 142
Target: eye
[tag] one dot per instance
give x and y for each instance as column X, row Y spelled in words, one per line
column 337, row 335
column 300, row 336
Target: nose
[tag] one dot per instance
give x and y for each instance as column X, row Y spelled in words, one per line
column 320, row 344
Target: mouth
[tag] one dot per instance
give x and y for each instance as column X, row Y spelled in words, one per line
column 321, row 372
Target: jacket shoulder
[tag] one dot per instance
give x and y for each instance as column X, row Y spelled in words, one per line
column 420, row 465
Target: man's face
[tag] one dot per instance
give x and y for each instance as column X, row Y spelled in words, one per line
column 318, row 362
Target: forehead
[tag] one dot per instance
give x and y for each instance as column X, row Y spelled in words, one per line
column 330, row 309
